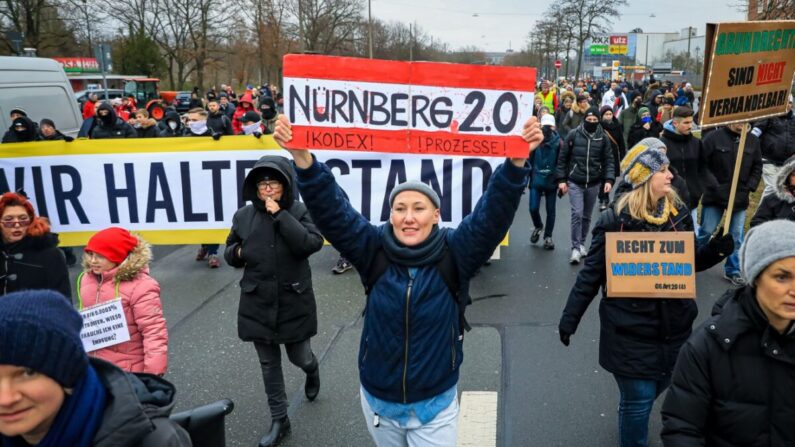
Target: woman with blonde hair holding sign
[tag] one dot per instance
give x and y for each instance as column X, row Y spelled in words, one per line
column 116, row 267
column 640, row 337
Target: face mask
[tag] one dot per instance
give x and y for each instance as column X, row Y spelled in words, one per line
column 198, row 127
column 251, row 128
column 590, row 127
column 268, row 114
column 172, row 125
column 645, row 119
column 107, row 119
column 547, row 131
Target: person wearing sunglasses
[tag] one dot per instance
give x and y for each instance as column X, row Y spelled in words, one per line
column 29, row 255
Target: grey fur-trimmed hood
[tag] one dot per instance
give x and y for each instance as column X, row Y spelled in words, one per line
column 781, row 181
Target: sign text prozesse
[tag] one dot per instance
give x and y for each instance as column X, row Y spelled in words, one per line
column 388, row 106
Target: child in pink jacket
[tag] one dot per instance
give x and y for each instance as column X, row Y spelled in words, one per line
column 116, row 264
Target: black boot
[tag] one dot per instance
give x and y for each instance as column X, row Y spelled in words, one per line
column 312, row 386
column 279, row 429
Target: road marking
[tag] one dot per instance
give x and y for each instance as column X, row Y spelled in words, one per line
column 477, row 421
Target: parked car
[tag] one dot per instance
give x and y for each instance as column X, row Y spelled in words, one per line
column 182, row 101
column 40, row 87
column 82, row 95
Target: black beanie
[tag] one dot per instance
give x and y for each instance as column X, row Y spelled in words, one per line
column 40, row 330
column 47, row 122
column 251, row 117
column 592, row 111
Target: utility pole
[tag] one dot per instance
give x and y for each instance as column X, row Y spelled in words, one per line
column 370, row 26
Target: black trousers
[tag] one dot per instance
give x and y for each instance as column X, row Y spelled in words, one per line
column 270, row 359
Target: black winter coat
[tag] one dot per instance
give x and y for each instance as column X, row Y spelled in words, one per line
column 220, row 123
column 615, row 134
column 150, row 131
column 637, row 132
column 31, row 132
column 781, row 203
column 687, row 156
column 113, row 127
column 137, row 410
column 34, row 263
column 277, row 303
column 639, row 338
column 778, row 138
column 586, row 160
column 733, row 382
column 720, row 153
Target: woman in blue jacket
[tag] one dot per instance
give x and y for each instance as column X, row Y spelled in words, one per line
column 411, row 345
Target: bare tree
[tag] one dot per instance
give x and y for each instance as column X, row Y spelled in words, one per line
column 38, row 20
column 589, row 18
column 327, row 26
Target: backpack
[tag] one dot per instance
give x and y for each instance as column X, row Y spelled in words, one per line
column 446, row 268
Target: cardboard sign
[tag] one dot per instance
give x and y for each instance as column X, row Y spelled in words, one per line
column 351, row 104
column 104, row 325
column 750, row 70
column 650, row 265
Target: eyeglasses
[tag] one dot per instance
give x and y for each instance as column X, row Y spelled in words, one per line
column 269, row 184
column 11, row 223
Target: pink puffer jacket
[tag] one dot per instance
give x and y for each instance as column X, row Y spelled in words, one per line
column 147, row 349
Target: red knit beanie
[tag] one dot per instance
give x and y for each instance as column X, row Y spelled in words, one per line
column 113, row 243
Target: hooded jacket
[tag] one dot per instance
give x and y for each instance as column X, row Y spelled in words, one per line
column 720, row 153
column 639, row 338
column 780, row 204
column 172, row 116
column 111, row 126
column 147, row 349
column 686, row 154
column 219, row 122
column 586, row 159
column 411, row 347
column 137, row 410
column 777, row 138
column 35, row 262
column 237, row 124
column 277, row 302
column 544, row 162
column 148, row 129
column 31, row 132
column 732, row 385
column 573, row 119
column 652, row 106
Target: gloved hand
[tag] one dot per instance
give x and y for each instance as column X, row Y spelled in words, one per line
column 68, row 139
column 565, row 337
column 723, row 245
column 217, row 136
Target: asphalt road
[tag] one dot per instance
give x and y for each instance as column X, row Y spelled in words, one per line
column 549, row 395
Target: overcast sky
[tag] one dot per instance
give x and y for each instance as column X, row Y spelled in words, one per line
column 494, row 25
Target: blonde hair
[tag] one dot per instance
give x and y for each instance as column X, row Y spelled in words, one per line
column 641, row 205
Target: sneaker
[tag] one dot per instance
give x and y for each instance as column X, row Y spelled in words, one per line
column 343, row 265
column 548, row 244
column 213, row 261
column 736, row 279
column 536, row 235
column 202, row 253
column 575, row 256
column 602, row 206
column 583, row 251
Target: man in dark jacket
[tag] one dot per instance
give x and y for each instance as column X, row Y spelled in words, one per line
column 585, row 164
column 217, row 120
column 48, row 132
column 687, row 156
column 273, row 238
column 22, row 130
column 226, row 107
column 543, row 162
column 654, row 103
column 644, row 127
column 777, row 137
column 145, row 127
column 198, row 127
column 720, row 154
column 109, row 125
column 172, row 125
column 733, row 380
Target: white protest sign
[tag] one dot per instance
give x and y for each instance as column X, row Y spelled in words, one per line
column 104, row 325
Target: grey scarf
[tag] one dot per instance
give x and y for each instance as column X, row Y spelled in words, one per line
column 429, row 252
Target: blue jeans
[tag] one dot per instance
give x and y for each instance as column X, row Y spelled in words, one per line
column 634, row 408
column 535, row 206
column 710, row 218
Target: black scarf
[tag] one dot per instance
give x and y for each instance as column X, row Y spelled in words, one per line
column 429, row 252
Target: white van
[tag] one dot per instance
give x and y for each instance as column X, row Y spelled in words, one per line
column 40, row 87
